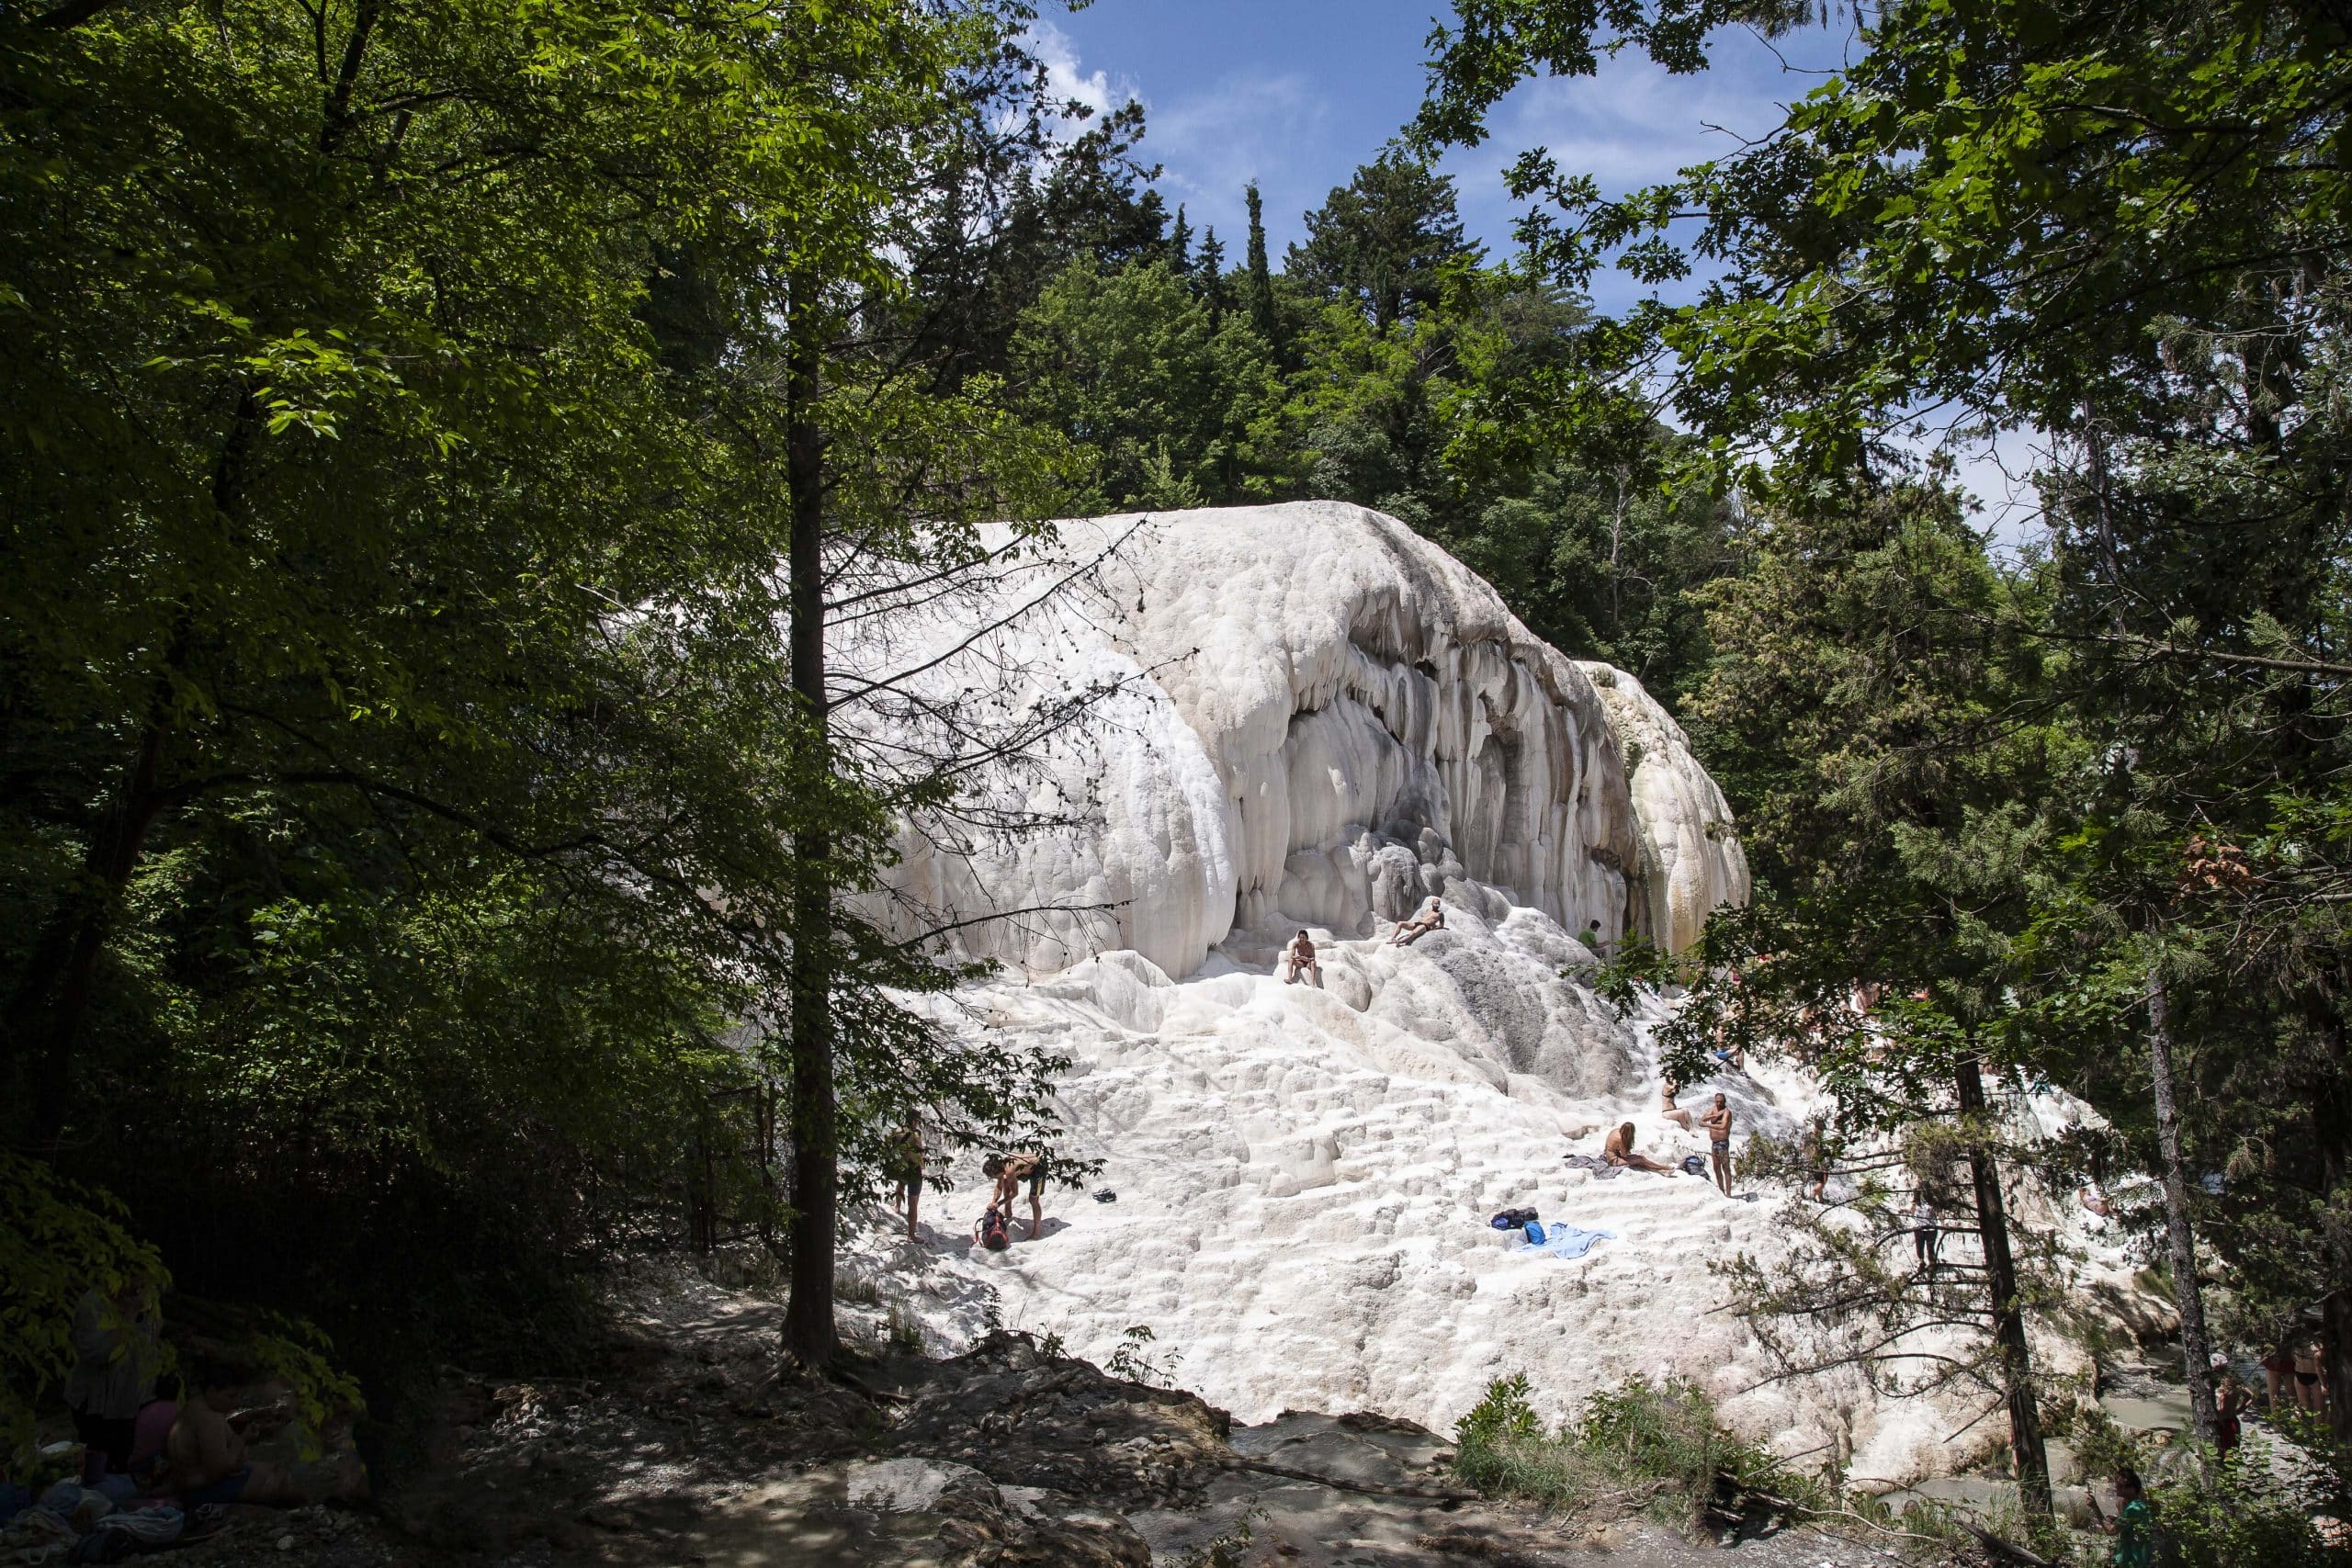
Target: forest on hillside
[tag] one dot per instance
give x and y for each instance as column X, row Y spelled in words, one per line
column 430, row 438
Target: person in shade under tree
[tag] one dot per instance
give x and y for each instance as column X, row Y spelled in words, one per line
column 904, row 1170
column 208, row 1455
column 1926, row 1235
column 2133, row 1525
column 116, row 1354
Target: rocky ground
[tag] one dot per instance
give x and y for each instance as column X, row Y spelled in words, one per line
column 690, row 1447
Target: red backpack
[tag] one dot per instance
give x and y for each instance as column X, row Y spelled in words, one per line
column 992, row 1235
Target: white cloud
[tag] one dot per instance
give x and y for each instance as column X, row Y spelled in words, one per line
column 1246, row 127
column 1066, row 81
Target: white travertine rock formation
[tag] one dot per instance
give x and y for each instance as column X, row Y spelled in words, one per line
column 1325, row 719
column 1312, row 718
column 1691, row 861
column 1304, row 1176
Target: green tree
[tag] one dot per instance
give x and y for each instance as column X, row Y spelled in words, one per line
column 1263, row 317
column 2126, row 231
column 405, row 809
column 1385, row 239
column 1878, row 722
column 1169, row 398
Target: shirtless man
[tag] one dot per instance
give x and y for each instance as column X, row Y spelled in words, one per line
column 1298, row 960
column 1717, row 1122
column 208, row 1456
column 1022, row 1164
column 1618, row 1149
column 1666, row 1090
column 1431, row 919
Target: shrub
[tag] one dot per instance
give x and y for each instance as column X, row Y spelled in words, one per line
column 1639, row 1445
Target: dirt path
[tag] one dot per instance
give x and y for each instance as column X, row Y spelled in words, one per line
column 688, row 1447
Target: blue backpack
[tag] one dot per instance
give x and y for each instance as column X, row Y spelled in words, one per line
column 1534, row 1234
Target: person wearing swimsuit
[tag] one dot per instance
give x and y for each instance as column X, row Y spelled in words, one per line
column 1717, row 1122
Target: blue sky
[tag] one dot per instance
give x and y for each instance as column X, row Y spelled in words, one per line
column 1295, row 94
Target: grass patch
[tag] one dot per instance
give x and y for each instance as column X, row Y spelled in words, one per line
column 1638, row 1448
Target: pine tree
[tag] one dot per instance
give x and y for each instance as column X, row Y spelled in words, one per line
column 1262, row 278
column 1180, row 245
column 1216, row 293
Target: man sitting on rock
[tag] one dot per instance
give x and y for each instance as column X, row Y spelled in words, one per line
column 208, row 1455
column 1431, row 919
column 1298, row 960
column 1618, row 1149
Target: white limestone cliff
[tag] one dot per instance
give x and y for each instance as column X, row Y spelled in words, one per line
column 1319, row 718
column 1691, row 860
column 1306, row 715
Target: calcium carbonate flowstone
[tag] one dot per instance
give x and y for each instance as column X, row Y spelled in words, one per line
column 1317, row 716
column 1316, row 719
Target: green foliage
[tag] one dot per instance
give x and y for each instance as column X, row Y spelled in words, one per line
column 1384, row 242
column 1638, row 1445
column 1134, row 1361
column 57, row 1242
column 1172, row 404
column 398, row 855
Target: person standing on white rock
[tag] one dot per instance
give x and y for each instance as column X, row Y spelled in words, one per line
column 1431, row 919
column 1011, row 1171
column 1717, row 1122
column 1299, row 959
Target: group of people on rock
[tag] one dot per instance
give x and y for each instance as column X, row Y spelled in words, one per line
column 1299, row 963
column 903, row 1167
column 149, row 1433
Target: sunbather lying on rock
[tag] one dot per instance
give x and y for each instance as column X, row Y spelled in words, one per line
column 1431, row 919
column 1618, row 1149
column 1299, row 961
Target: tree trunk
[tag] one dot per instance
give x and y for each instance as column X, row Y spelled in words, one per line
column 2180, row 1241
column 809, row 1334
column 2009, row 1316
column 45, row 1012
column 2332, row 1130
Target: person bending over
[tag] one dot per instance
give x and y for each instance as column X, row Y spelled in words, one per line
column 1299, row 961
column 1618, row 1149
column 1022, row 1165
column 1431, row 919
column 208, row 1455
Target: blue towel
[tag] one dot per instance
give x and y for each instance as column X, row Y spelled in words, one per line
column 1567, row 1241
